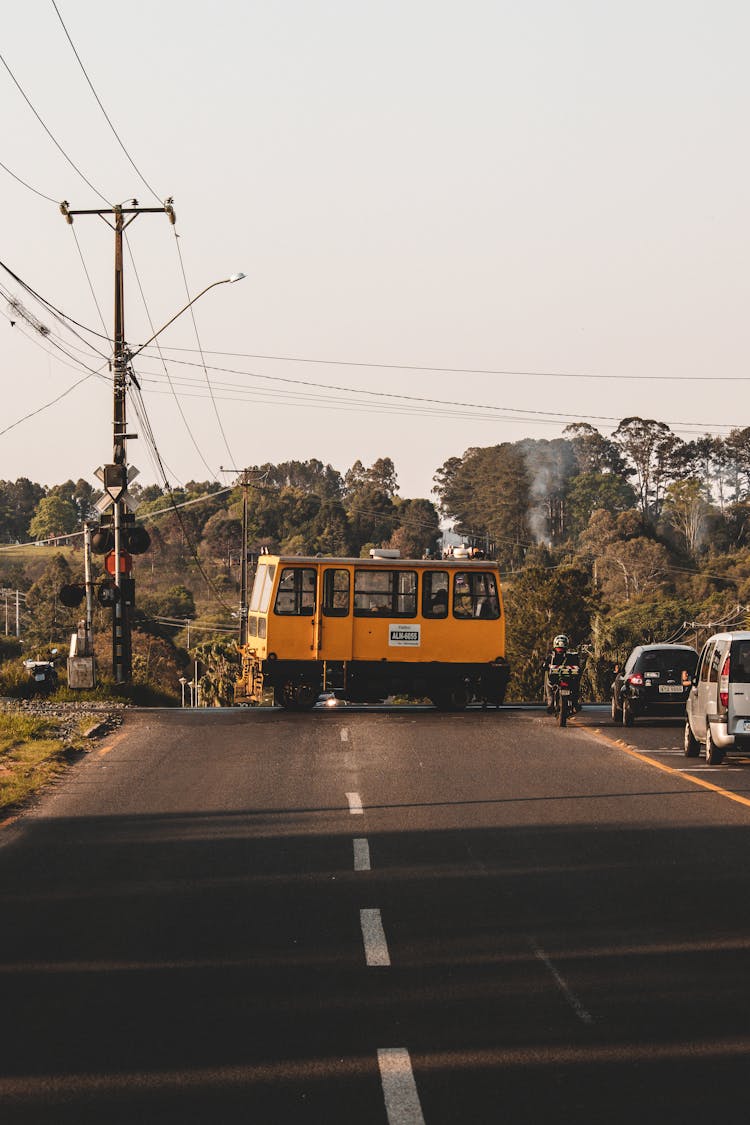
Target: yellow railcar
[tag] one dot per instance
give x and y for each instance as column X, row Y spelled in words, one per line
column 365, row 629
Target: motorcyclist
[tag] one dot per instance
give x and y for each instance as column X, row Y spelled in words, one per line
column 554, row 660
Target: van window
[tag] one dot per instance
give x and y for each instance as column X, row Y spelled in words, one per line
column 713, row 671
column 475, row 595
column 706, row 662
column 336, row 592
column 296, row 594
column 435, row 593
column 385, row 593
column 739, row 666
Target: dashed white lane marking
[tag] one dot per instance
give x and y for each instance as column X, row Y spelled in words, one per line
column 355, row 804
column 344, row 734
column 562, row 984
column 402, row 1104
column 373, row 935
column 361, row 855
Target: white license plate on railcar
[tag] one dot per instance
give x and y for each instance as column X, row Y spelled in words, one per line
column 745, row 726
column 670, row 689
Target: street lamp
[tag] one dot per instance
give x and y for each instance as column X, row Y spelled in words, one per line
column 182, row 682
column 224, row 281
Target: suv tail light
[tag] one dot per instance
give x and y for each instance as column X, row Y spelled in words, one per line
column 636, row 680
column 724, row 684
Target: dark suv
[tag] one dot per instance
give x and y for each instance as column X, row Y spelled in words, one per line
column 656, row 680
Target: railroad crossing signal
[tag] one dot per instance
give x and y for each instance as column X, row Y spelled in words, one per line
column 116, row 479
column 126, row 563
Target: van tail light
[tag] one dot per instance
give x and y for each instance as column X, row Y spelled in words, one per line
column 636, row 680
column 724, row 684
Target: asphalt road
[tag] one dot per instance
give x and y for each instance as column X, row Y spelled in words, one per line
column 378, row 917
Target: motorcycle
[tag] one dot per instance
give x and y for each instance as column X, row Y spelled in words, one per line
column 565, row 684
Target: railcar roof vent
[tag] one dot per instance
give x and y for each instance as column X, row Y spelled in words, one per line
column 384, row 553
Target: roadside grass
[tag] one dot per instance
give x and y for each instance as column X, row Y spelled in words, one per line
column 31, row 754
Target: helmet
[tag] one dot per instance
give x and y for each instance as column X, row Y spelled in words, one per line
column 560, row 641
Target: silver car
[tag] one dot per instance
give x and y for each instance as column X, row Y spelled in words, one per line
column 718, row 706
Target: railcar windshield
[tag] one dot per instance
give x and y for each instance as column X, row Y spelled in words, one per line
column 261, row 593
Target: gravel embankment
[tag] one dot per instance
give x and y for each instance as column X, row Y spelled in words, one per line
column 71, row 719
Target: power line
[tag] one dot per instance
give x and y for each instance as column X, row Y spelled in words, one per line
column 51, row 136
column 101, row 107
column 46, row 405
column 28, row 186
column 528, row 413
column 438, row 369
column 48, row 304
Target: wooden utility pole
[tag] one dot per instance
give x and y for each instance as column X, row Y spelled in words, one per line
column 115, row 476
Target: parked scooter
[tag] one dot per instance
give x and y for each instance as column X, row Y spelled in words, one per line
column 42, row 674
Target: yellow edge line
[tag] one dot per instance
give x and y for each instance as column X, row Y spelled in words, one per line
column 100, row 754
column 626, row 749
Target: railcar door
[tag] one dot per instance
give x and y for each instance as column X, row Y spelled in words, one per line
column 333, row 618
column 292, row 622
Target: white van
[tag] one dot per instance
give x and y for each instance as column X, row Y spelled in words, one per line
column 718, row 706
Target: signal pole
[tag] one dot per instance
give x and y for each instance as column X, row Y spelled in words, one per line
column 115, row 476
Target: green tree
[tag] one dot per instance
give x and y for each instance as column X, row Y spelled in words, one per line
column 539, row 604
column 686, row 510
column 653, row 451
column 50, row 623
column 594, row 490
column 593, row 452
column 418, row 530
column 18, row 501
column 53, row 517
column 176, row 601
column 222, row 664
column 486, row 493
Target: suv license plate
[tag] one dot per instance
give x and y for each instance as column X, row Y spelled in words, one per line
column 670, row 689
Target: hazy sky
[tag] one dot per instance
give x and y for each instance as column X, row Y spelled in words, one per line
column 521, row 187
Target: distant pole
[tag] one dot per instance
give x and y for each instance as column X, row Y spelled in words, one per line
column 246, row 479
column 18, row 613
column 89, row 587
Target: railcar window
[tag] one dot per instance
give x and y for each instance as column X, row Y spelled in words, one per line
column 475, row 595
column 385, row 593
column 296, row 594
column 336, row 592
column 435, row 593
